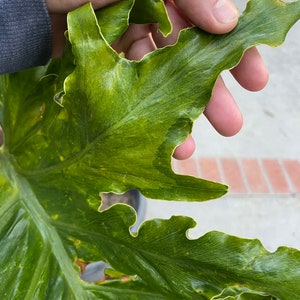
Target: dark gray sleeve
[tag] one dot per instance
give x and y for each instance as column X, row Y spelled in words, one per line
column 25, row 34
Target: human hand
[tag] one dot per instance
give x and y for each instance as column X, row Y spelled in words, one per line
column 215, row 17
column 211, row 15
column 222, row 111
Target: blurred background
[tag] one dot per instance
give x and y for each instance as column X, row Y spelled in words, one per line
column 270, row 133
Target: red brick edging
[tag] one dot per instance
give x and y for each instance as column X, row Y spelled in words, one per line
column 246, row 175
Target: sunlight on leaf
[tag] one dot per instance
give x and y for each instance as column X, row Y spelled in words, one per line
column 94, row 122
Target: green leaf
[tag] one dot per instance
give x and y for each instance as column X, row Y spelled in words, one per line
column 151, row 11
column 112, row 125
column 41, row 239
column 115, row 19
column 34, row 262
column 107, row 141
column 122, row 122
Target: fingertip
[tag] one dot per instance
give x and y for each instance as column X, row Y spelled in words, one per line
column 185, row 150
column 222, row 111
column 251, row 73
column 213, row 16
column 256, row 80
column 260, row 80
column 259, row 83
column 226, row 16
column 232, row 126
column 227, row 123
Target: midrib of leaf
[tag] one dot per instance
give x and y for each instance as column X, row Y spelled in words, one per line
column 145, row 257
column 48, row 232
column 132, row 293
column 39, row 266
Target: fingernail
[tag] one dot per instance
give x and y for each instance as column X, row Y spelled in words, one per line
column 225, row 12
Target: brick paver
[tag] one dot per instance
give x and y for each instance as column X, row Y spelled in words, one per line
column 276, row 176
column 209, row 169
column 233, row 175
column 255, row 176
column 185, row 167
column 293, row 170
column 246, row 175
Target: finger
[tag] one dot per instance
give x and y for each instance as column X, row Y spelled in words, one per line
column 222, row 111
column 185, row 150
column 64, row 6
column 140, row 48
column 135, row 42
column 215, row 16
column 251, row 72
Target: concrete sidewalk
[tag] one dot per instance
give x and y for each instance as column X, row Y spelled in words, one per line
column 268, row 145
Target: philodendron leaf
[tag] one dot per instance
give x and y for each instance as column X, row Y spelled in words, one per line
column 41, row 239
column 115, row 19
column 151, row 11
column 110, row 126
column 112, row 132
column 120, row 120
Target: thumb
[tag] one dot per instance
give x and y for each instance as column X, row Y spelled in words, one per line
column 215, row 16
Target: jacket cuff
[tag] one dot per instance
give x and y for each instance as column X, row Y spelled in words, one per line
column 25, row 34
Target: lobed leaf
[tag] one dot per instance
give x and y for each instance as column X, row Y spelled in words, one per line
column 115, row 19
column 108, row 124
column 161, row 262
column 111, row 108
